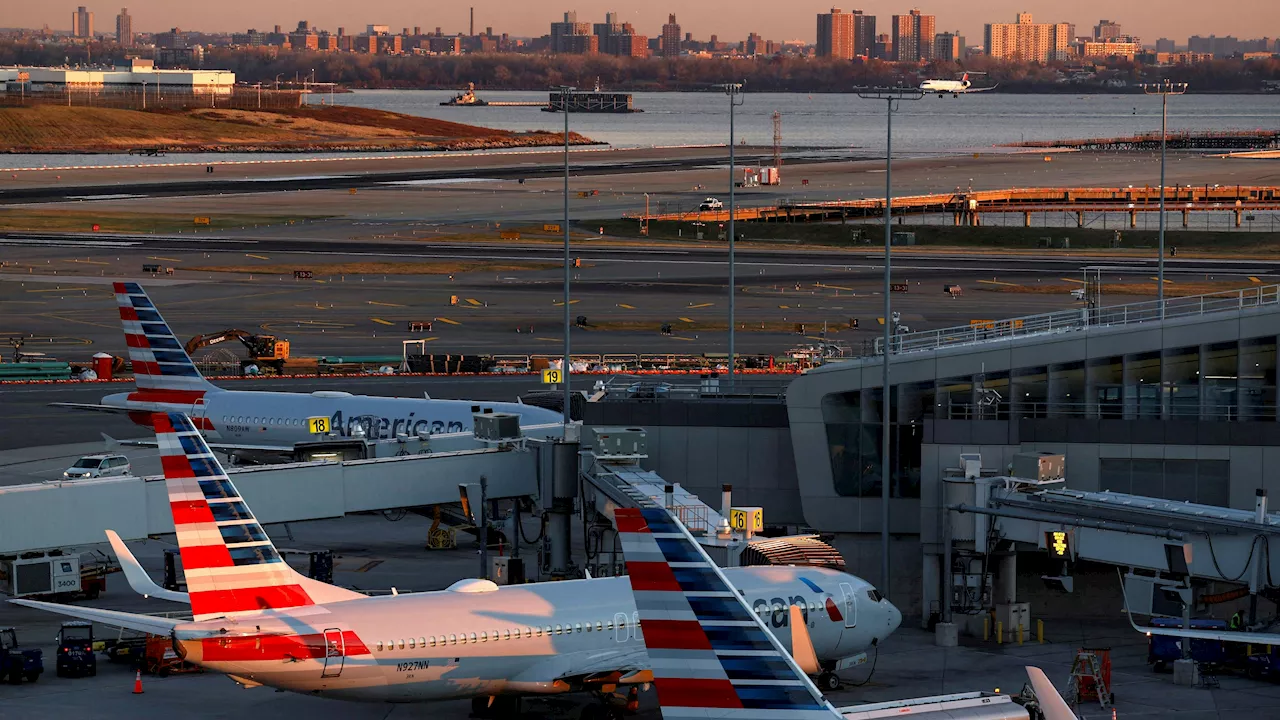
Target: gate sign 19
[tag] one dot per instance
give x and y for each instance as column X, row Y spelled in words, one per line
column 552, row 376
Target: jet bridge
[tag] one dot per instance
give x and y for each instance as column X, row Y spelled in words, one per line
column 72, row 514
column 1165, row 543
column 612, row 477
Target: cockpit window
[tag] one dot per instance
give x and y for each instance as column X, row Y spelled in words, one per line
column 875, row 595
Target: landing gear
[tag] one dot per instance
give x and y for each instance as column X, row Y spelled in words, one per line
column 829, row 681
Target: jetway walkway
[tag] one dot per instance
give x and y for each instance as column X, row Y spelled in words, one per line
column 611, row 478
column 1161, row 542
column 69, row 514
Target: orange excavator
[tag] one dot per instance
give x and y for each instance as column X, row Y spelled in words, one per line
column 266, row 351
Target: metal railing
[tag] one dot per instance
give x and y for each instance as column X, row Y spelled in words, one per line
column 1064, row 321
column 1134, row 409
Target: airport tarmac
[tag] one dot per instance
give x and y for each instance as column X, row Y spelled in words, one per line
column 375, row 554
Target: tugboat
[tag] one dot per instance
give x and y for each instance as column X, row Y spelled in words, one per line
column 466, row 98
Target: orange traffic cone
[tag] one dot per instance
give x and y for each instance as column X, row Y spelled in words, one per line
column 137, row 683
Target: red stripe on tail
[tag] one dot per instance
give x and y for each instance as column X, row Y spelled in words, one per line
column 650, row 576
column 695, row 692
column 215, row 602
column 674, row 634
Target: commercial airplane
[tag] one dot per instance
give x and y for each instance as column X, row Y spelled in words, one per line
column 260, row 622
column 712, row 657
column 254, row 424
column 952, row 87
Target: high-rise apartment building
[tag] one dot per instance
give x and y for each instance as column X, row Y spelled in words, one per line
column 671, row 37
column 948, row 46
column 124, row 28
column 570, row 36
column 913, row 37
column 835, row 34
column 82, row 23
column 846, row 35
column 1028, row 41
column 1106, row 31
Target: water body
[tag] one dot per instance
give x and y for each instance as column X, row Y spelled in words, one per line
column 834, row 122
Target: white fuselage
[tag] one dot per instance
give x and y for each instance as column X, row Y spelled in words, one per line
column 525, row 639
column 264, row 418
column 945, row 86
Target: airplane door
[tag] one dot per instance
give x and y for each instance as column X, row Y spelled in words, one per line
column 198, row 411
column 335, row 653
column 850, row 605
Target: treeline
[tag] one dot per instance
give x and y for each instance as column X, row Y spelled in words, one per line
column 765, row 74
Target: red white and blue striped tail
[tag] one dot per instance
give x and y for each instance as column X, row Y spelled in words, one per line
column 161, row 367
column 710, row 655
column 231, row 566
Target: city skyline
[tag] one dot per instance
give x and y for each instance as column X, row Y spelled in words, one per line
column 1242, row 18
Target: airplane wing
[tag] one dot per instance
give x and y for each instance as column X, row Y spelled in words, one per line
column 1235, row 636
column 137, row 577
column 220, row 447
column 91, row 407
column 974, row 89
column 141, row 623
column 1052, row 706
column 711, row 656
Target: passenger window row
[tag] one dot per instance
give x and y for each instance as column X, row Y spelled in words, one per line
column 776, row 607
column 498, row 635
column 253, row 420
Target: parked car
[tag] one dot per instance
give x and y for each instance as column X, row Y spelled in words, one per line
column 97, row 466
column 711, row 204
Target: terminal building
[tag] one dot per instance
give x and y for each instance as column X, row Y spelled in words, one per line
column 135, row 76
column 1181, row 408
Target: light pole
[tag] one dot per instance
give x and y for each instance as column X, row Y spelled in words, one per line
column 733, row 90
column 564, row 107
column 1164, row 90
column 892, row 97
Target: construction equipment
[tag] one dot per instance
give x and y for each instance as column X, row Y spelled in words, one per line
column 1091, row 677
column 264, row 350
column 162, row 660
column 18, row 662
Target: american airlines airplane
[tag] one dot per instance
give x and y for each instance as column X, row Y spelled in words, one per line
column 952, row 87
column 260, row 622
column 712, row 657
column 254, row 424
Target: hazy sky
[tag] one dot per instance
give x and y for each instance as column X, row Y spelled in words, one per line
column 773, row 19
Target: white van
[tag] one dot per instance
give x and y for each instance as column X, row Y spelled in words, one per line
column 97, row 466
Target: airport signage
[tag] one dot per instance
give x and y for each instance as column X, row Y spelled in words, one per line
column 552, row 376
column 318, row 425
column 202, row 221
column 1058, row 543
column 551, row 227
column 899, row 287
column 747, row 518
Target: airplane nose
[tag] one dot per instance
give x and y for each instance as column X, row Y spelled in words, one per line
column 895, row 616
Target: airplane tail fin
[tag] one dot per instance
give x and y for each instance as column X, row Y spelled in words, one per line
column 230, row 564
column 709, row 653
column 965, row 78
column 161, row 367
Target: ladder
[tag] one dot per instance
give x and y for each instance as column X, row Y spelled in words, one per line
column 1087, row 681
